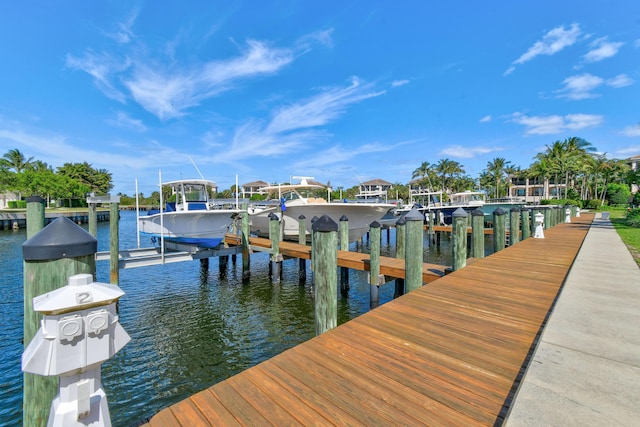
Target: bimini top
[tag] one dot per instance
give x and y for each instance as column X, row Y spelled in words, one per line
column 303, row 184
column 190, row 181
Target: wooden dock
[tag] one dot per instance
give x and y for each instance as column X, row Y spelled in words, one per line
column 389, row 267
column 449, row 353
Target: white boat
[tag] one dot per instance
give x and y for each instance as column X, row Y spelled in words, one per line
column 193, row 219
column 295, row 200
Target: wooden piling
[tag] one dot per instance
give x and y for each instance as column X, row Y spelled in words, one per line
column 114, row 240
column 431, row 233
column 414, row 250
column 514, row 226
column 400, row 252
column 325, row 267
column 459, row 244
column 499, row 231
column 276, row 258
column 51, row 256
column 302, row 239
column 344, row 246
column 93, row 219
column 525, row 221
column 374, row 265
column 246, row 252
column 547, row 217
column 477, row 233
column 35, row 215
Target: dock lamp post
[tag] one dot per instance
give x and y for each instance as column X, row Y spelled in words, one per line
column 567, row 217
column 539, row 234
column 78, row 333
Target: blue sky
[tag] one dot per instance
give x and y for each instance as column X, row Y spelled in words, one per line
column 344, row 91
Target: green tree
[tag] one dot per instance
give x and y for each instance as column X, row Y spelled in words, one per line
column 496, row 169
column 447, row 170
column 14, row 159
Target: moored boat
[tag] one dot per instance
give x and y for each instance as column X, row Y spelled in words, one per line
column 193, row 219
column 294, row 200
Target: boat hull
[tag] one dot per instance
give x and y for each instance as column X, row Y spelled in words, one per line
column 204, row 229
column 360, row 216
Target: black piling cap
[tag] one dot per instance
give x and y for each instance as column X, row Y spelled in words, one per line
column 61, row 239
column 344, row 218
column 477, row 212
column 301, row 216
column 459, row 213
column 401, row 221
column 515, row 209
column 35, row 199
column 273, row 217
column 414, row 215
column 324, row 223
column 375, row 224
column 499, row 211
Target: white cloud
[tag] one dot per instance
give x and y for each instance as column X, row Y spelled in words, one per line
column 167, row 93
column 621, row 80
column 580, row 86
column 398, row 83
column 102, row 67
column 486, row 119
column 553, row 42
column 602, row 49
column 466, row 152
column 631, row 131
column 123, row 120
column 295, row 126
column 554, row 124
column 320, row 109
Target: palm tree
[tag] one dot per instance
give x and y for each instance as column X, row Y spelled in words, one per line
column 423, row 171
column 14, row 159
column 496, row 169
column 447, row 170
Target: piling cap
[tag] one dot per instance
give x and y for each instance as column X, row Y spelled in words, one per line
column 499, row 211
column 301, row 216
column 375, row 224
column 324, row 223
column 61, row 239
column 401, row 221
column 273, row 217
column 515, row 209
column 459, row 213
column 35, row 199
column 414, row 215
column 344, row 218
column 477, row 212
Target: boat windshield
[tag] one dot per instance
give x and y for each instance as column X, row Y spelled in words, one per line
column 291, row 195
column 194, row 193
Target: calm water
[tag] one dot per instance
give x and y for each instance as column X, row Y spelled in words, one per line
column 189, row 329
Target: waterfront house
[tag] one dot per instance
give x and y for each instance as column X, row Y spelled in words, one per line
column 376, row 188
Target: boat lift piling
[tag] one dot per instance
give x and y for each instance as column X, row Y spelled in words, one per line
column 344, row 246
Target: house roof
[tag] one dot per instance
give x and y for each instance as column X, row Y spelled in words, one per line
column 376, row 181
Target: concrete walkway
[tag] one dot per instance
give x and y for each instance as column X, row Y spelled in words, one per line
column 586, row 369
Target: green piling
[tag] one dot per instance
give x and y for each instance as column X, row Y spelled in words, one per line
column 477, row 233
column 276, row 257
column 325, row 267
column 525, row 219
column 514, row 226
column 344, row 246
column 35, row 215
column 374, row 265
column 302, row 239
column 459, row 234
column 499, row 234
column 414, row 250
column 51, row 256
column 246, row 249
column 400, row 252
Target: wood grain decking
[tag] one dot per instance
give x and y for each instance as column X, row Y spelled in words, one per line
column 449, row 353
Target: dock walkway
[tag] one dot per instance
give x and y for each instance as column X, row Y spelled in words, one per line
column 450, row 353
column 586, row 369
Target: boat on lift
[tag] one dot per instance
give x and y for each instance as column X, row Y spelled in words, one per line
column 193, row 219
